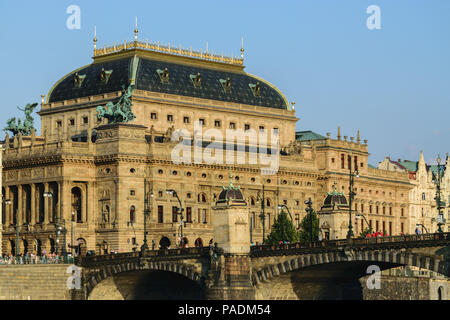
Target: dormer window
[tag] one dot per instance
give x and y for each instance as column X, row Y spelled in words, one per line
column 104, row 75
column 196, row 80
column 163, row 75
column 78, row 80
column 256, row 89
column 226, row 84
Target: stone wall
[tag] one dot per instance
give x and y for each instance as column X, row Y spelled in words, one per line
column 406, row 288
column 34, row 282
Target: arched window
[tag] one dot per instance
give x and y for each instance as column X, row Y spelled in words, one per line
column 440, row 293
column 252, row 201
column 268, row 202
column 423, row 195
column 132, row 214
column 201, row 197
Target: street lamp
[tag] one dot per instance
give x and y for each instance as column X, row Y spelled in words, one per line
column 351, row 195
column 281, row 206
column 310, row 210
column 61, row 228
column 262, row 215
column 147, row 209
column 421, row 225
column 440, row 219
column 174, row 193
column 358, row 216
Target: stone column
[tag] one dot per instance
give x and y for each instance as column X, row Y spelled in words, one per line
column 33, row 203
column 46, row 202
column 7, row 208
column 59, row 211
column 84, row 192
column 19, row 205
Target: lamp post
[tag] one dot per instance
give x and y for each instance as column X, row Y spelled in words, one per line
column 351, row 195
column 281, row 206
column 61, row 228
column 309, row 210
column 262, row 215
column 174, row 193
column 358, row 216
column 440, row 219
column 147, row 209
column 421, row 225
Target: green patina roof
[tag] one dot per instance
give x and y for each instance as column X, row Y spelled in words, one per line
column 410, row 165
column 307, row 136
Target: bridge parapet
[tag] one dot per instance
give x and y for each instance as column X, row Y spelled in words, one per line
column 381, row 243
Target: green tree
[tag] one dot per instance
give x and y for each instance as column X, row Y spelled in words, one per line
column 282, row 230
column 305, row 228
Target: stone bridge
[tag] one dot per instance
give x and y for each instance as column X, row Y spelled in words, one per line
column 320, row 270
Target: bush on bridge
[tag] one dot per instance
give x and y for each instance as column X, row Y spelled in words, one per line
column 282, row 230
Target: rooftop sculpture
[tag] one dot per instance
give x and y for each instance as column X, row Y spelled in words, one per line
column 28, row 124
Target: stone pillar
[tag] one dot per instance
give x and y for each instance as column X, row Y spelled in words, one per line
column 46, row 202
column 59, row 211
column 33, row 203
column 84, row 192
column 19, row 205
column 7, row 208
column 230, row 276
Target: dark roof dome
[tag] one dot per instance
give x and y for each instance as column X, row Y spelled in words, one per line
column 231, row 195
column 164, row 73
column 334, row 200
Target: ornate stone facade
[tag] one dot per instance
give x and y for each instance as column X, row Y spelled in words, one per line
column 103, row 177
column 422, row 198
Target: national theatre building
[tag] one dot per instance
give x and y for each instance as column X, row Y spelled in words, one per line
column 102, row 170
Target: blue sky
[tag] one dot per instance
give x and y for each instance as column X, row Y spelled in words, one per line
column 392, row 83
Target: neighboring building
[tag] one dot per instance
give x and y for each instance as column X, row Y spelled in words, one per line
column 105, row 175
column 422, row 198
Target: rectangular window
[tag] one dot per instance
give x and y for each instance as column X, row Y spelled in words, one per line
column 189, row 214
column 390, row 228
column 72, row 122
column 390, row 211
column 217, row 123
column 170, row 118
column 204, row 216
column 186, row 120
column 376, row 209
column 297, row 220
column 342, row 161
column 232, row 125
column 247, row 127
column 160, row 214
column 402, row 212
column 384, row 210
column 377, row 225
column 370, row 224
column 356, row 162
column 370, row 208
column 401, row 227
column 201, row 121
column 85, row 120
column 174, row 214
column 59, row 123
column 153, row 116
column 261, row 128
column 362, row 208
column 384, row 227
column 349, row 161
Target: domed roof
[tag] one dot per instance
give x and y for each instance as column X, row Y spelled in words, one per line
column 187, row 79
column 335, row 200
column 231, row 195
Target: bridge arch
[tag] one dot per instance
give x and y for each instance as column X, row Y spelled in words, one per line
column 388, row 258
column 95, row 276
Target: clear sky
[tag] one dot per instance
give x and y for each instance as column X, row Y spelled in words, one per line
column 392, row 83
